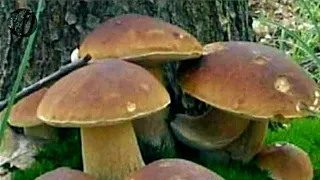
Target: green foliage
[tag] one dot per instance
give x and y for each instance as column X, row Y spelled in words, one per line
column 302, row 41
column 64, row 152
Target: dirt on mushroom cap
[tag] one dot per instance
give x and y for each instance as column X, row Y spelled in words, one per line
column 174, row 169
column 24, row 112
column 249, row 79
column 140, row 37
column 104, row 93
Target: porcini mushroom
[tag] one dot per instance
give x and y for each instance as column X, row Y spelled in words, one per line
column 150, row 42
column 140, row 37
column 24, row 115
column 102, row 99
column 251, row 81
column 166, row 169
column 65, row 173
column 285, row 161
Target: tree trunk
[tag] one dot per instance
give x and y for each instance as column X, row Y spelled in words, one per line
column 65, row 23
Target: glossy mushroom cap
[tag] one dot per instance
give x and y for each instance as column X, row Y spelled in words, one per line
column 174, row 169
column 65, row 173
column 250, row 79
column 104, row 93
column 140, row 37
column 24, row 112
column 285, row 162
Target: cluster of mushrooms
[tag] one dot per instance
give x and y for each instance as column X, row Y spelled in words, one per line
column 120, row 96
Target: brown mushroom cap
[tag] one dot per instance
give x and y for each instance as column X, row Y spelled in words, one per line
column 213, row 130
column 65, row 173
column 285, row 161
column 250, row 79
column 24, row 112
column 166, row 169
column 140, row 37
column 103, row 93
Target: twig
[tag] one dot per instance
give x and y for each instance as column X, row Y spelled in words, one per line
column 63, row 70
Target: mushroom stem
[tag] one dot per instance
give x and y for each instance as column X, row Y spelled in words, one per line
column 154, row 136
column 41, row 131
column 110, row 152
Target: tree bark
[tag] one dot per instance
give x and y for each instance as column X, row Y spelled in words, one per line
column 65, row 23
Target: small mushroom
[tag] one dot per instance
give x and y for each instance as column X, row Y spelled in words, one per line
column 213, row 130
column 285, row 161
column 175, row 169
column 102, row 99
column 65, row 173
column 24, row 115
column 150, row 45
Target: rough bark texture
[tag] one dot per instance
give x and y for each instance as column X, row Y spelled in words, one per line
column 65, row 23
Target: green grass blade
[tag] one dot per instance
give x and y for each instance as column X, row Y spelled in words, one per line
column 22, row 67
column 294, row 35
column 312, row 17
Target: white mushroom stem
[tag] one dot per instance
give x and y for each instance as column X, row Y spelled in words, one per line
column 42, row 131
column 110, row 152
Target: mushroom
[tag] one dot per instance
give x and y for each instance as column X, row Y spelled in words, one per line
column 285, row 161
column 140, row 38
column 251, row 81
column 102, row 99
column 150, row 45
column 213, row 130
column 166, row 169
column 24, row 115
column 65, row 173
